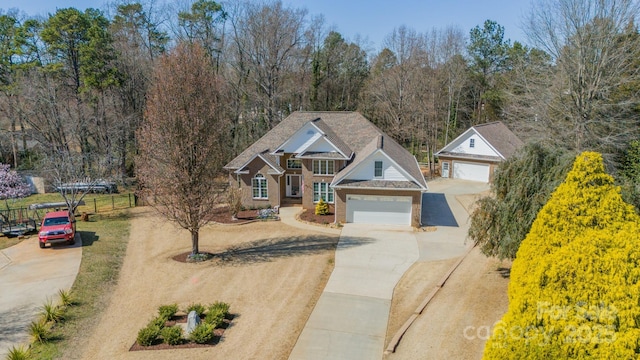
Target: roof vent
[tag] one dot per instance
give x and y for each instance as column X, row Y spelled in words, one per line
column 380, row 142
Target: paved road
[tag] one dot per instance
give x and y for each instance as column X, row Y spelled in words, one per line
column 28, row 277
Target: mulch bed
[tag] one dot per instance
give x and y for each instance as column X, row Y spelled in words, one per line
column 222, row 216
column 184, row 256
column 310, row 216
column 218, row 332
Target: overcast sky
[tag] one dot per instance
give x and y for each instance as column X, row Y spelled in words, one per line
column 371, row 19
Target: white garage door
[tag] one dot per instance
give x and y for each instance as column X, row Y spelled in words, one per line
column 471, row 171
column 371, row 209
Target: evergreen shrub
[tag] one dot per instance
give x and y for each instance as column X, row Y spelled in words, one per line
column 575, row 282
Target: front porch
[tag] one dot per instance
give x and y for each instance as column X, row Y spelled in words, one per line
column 288, row 201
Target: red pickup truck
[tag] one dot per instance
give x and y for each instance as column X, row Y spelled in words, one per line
column 57, row 227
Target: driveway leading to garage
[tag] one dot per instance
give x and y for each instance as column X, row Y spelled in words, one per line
column 446, row 206
column 28, row 277
column 349, row 320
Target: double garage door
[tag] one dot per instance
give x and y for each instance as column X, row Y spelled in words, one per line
column 372, row 209
column 471, row 171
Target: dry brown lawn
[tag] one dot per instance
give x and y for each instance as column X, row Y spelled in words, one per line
column 271, row 274
column 457, row 322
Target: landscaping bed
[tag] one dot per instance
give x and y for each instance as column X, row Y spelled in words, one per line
column 187, row 345
column 222, row 216
column 311, row 217
column 212, row 325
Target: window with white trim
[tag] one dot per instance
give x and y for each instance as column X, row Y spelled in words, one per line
column 259, row 185
column 294, row 164
column 377, row 171
column 324, row 191
column 323, row 167
column 472, row 143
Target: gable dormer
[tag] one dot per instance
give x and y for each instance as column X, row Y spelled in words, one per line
column 314, row 137
column 302, row 138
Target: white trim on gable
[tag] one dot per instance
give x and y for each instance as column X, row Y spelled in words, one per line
column 301, row 145
column 317, row 146
column 463, row 140
column 271, row 172
column 369, row 161
column 300, row 132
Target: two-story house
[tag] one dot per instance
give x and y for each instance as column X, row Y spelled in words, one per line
column 341, row 157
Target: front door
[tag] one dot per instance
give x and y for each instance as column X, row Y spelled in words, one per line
column 293, row 186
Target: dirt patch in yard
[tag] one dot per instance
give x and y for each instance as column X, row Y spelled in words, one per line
column 456, row 324
column 270, row 274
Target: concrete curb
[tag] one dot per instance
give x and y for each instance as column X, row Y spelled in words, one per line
column 395, row 340
column 4, row 260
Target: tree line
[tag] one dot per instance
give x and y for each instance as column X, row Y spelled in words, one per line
column 75, row 83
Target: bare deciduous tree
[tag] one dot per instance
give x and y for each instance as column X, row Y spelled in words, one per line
column 182, row 140
column 64, row 169
column 594, row 46
column 269, row 44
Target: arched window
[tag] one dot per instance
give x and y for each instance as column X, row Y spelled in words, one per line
column 259, row 184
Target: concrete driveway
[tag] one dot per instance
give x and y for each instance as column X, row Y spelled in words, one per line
column 446, row 208
column 350, row 319
column 28, row 277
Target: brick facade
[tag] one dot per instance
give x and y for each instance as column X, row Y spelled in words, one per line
column 257, row 166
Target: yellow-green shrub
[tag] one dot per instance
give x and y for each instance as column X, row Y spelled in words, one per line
column 574, row 289
column 322, row 208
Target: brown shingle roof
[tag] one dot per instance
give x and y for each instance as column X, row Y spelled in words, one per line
column 331, row 135
column 500, row 137
column 354, row 129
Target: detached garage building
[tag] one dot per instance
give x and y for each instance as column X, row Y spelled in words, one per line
column 475, row 154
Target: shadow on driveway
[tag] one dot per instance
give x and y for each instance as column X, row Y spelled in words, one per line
column 436, row 211
column 270, row 249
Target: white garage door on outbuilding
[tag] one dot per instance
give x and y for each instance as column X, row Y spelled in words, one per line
column 373, row 209
column 471, row 171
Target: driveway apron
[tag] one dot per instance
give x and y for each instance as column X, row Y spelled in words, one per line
column 350, row 319
column 29, row 276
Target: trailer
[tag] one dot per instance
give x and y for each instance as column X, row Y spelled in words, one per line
column 21, row 221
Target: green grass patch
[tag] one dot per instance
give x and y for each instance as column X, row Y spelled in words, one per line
column 104, row 240
column 6, row 242
column 93, row 202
